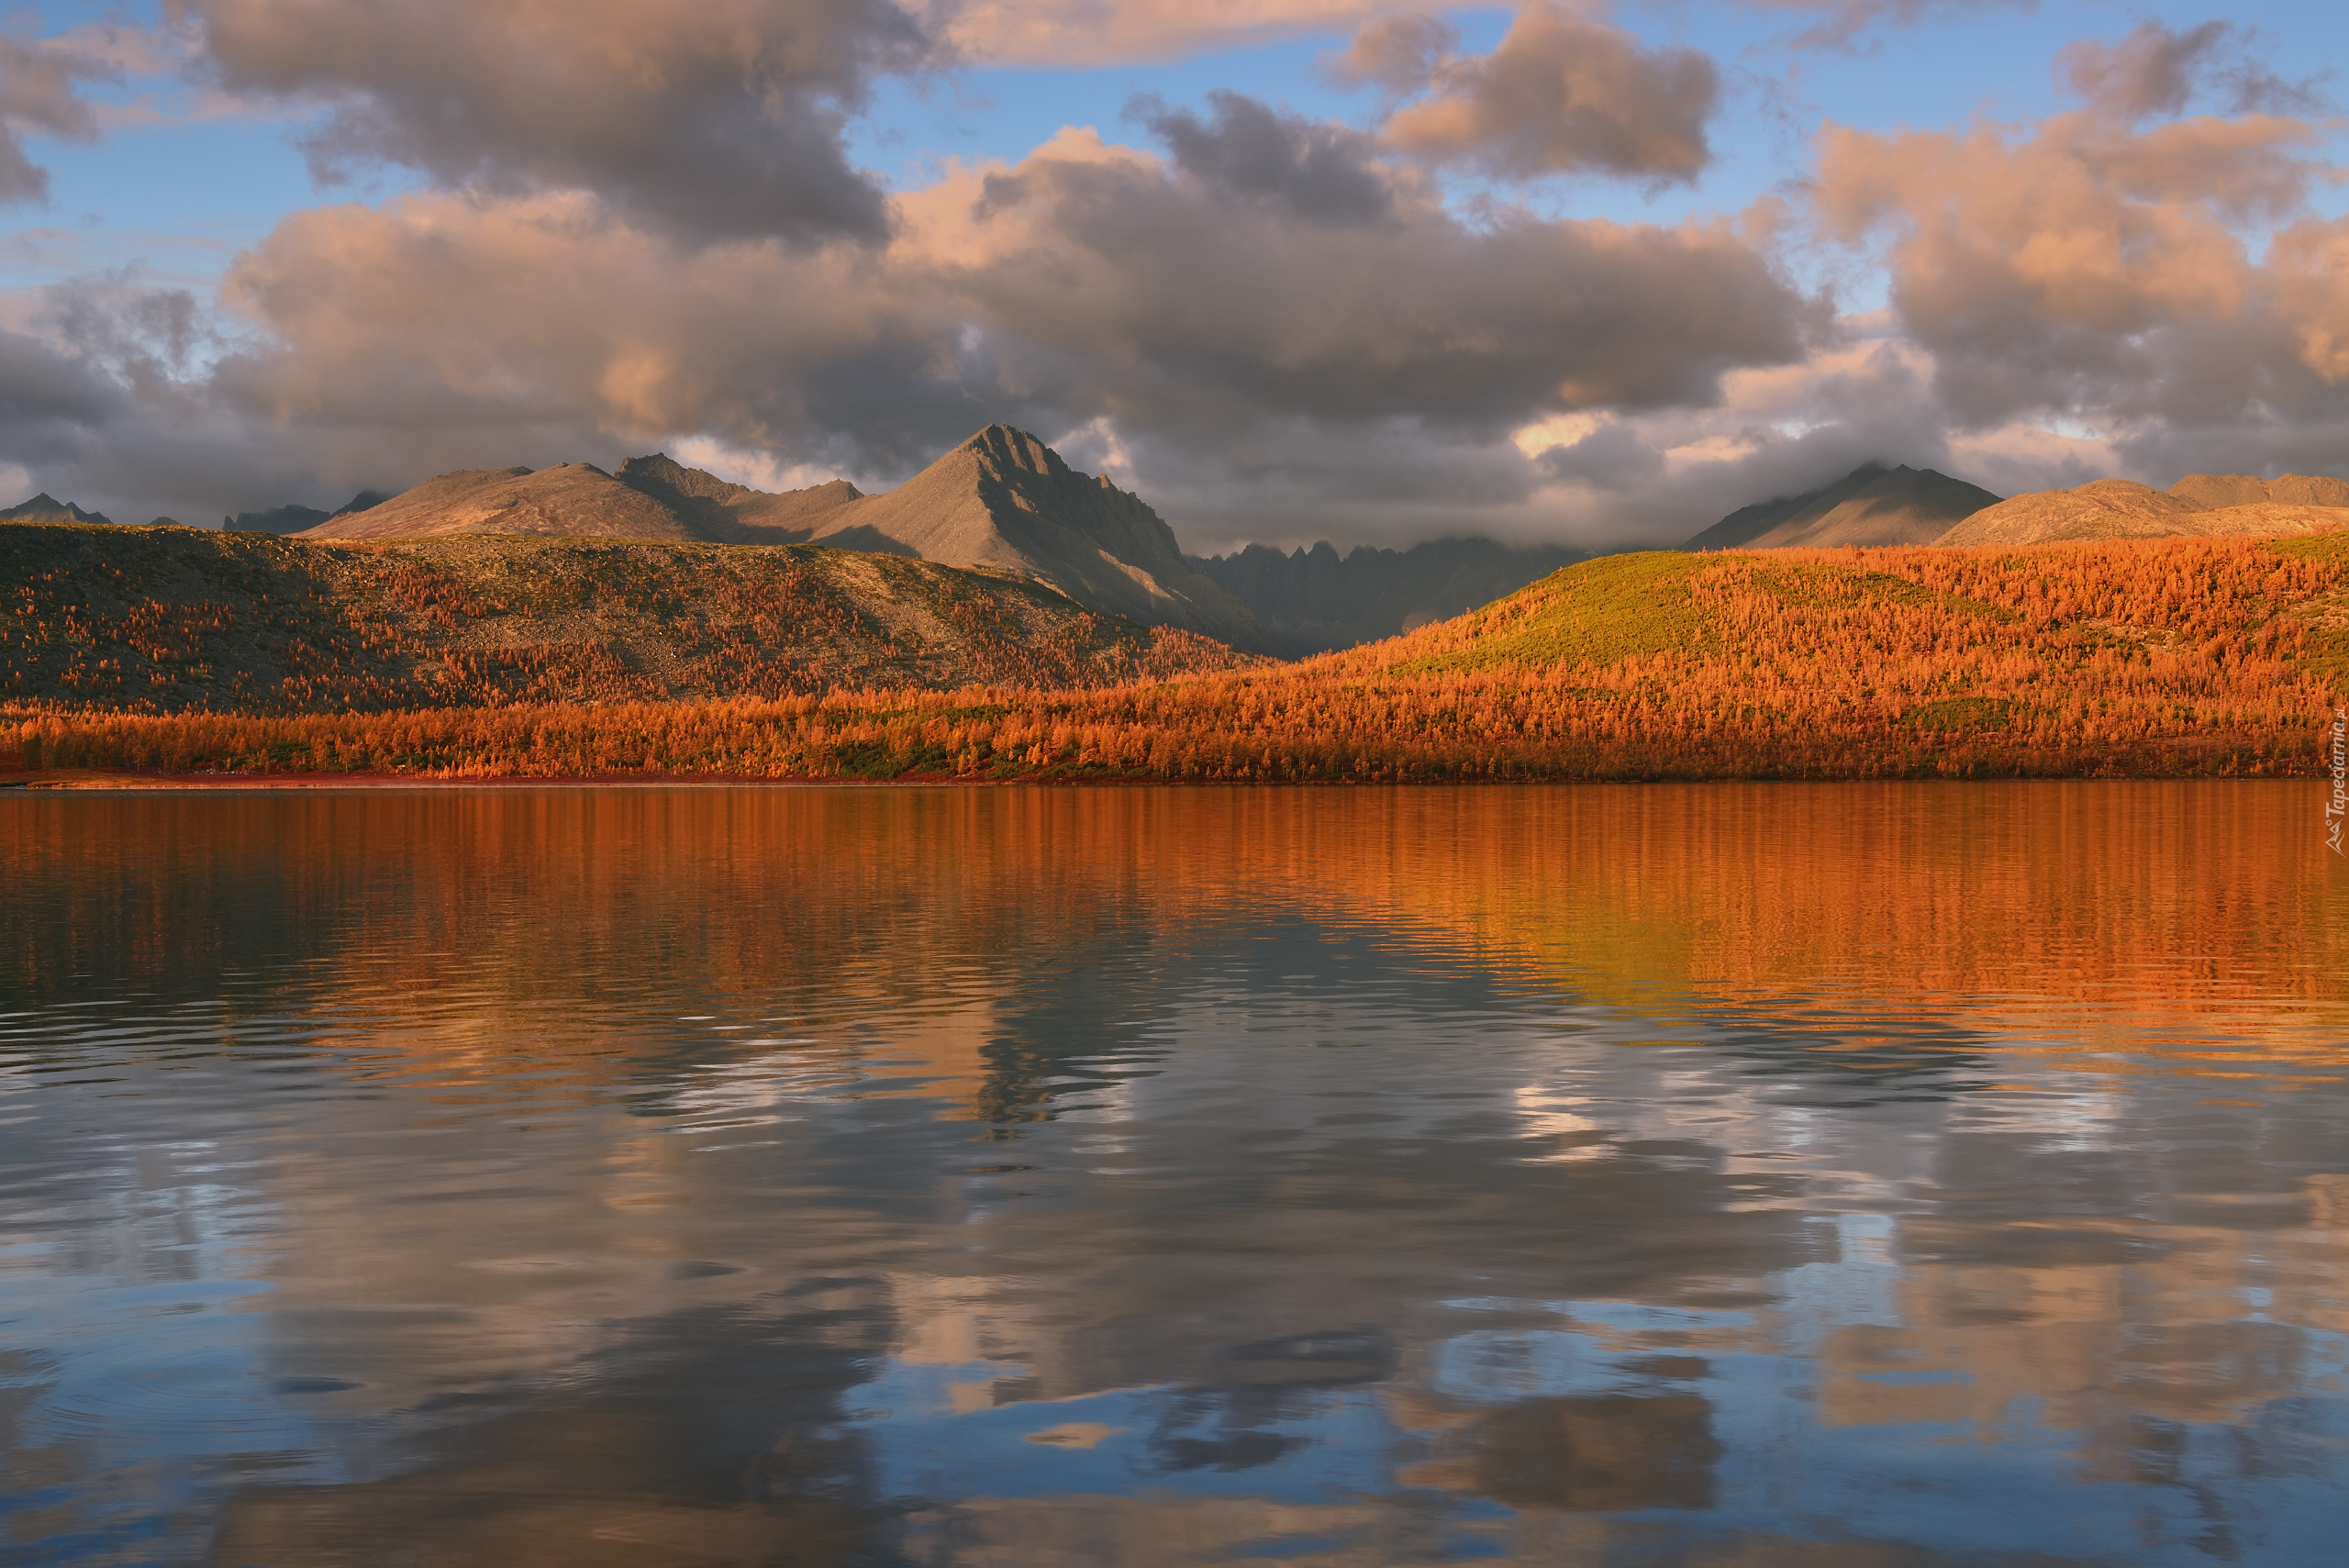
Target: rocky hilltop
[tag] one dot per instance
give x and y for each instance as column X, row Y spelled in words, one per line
column 1872, row 504
column 2203, row 505
column 1315, row 600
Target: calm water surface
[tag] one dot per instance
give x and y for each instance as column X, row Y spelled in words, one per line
column 1851, row 1176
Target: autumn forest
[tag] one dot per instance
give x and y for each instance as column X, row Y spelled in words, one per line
column 2210, row 657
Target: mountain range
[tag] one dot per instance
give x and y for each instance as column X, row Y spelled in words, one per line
column 1001, row 501
column 1004, row 502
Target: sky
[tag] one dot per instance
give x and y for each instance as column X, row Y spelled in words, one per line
column 1292, row 270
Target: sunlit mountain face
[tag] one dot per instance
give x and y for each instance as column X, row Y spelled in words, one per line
column 1722, row 1173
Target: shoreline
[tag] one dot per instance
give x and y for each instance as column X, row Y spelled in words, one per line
column 92, row 781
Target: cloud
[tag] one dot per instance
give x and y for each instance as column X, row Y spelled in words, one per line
column 1272, row 326
column 2155, row 71
column 1559, row 95
column 1400, row 53
column 1178, row 304
column 39, row 94
column 1612, row 457
column 1318, row 170
column 1838, row 24
column 45, row 396
column 2160, row 293
column 716, row 118
column 2083, row 269
column 1105, row 32
column 1249, row 350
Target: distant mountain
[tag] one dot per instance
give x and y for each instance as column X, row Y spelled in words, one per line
column 292, row 519
column 1315, row 600
column 2206, row 505
column 47, row 508
column 288, row 519
column 1001, row 500
column 1872, row 504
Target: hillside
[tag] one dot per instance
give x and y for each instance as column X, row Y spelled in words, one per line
column 2177, row 657
column 2217, row 491
column 570, row 500
column 173, row 619
column 1314, row 600
column 1872, row 504
column 2201, row 505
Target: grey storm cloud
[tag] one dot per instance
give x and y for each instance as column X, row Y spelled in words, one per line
column 718, row 119
column 39, row 93
column 1612, row 457
column 1559, row 95
column 1145, row 293
column 1316, row 170
column 44, row 394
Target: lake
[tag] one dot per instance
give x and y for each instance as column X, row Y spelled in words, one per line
column 1851, row 1175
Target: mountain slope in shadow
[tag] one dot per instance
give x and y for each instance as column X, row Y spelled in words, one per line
column 1871, row 505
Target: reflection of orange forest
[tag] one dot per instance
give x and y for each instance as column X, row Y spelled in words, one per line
column 2155, row 657
column 2182, row 926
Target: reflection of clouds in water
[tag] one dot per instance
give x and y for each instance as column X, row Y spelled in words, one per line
column 2057, row 1109
column 1556, row 1117
column 723, row 1099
